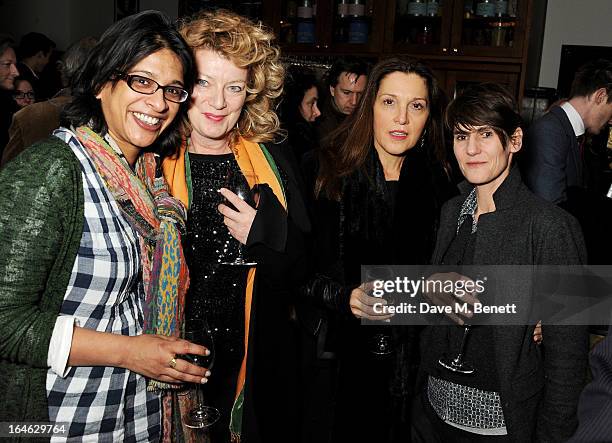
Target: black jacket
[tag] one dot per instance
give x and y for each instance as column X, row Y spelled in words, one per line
column 368, row 226
column 539, row 386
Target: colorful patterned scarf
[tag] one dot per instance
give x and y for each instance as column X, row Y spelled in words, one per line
column 251, row 157
column 158, row 218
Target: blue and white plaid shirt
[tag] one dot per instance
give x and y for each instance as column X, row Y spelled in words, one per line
column 105, row 293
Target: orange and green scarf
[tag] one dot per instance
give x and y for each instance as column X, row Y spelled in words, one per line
column 251, row 157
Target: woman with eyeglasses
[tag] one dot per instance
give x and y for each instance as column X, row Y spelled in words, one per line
column 23, row 93
column 91, row 268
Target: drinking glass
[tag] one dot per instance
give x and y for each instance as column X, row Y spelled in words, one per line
column 457, row 364
column 238, row 183
column 198, row 332
column 381, row 341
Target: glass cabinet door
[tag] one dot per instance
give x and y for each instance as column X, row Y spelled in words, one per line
column 298, row 23
column 357, row 23
column 420, row 26
column 489, row 27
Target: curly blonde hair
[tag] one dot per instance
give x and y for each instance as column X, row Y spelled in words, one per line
column 247, row 45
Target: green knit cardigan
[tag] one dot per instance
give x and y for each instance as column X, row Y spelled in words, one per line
column 41, row 224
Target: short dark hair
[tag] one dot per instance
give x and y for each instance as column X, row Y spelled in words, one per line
column 6, row 41
column 123, row 45
column 74, row 58
column 34, row 42
column 352, row 65
column 298, row 80
column 592, row 76
column 484, row 104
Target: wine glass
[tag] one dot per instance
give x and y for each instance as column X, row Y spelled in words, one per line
column 198, row 332
column 381, row 341
column 238, row 183
column 457, row 364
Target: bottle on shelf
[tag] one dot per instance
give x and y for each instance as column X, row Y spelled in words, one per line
column 358, row 26
column 342, row 21
column 468, row 8
column 433, row 8
column 305, row 25
column 485, row 8
column 501, row 8
column 417, row 8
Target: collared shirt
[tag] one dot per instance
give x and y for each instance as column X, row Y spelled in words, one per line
column 468, row 209
column 574, row 118
column 31, row 70
column 105, row 293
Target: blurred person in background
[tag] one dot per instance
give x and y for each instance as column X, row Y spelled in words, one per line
column 23, row 94
column 38, row 120
column 8, row 74
column 34, row 52
column 346, row 81
column 300, row 108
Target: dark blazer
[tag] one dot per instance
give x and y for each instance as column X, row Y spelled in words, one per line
column 595, row 408
column 552, row 162
column 539, row 386
column 329, row 121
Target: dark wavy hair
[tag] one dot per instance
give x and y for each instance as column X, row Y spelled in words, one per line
column 347, row 148
column 298, row 81
column 484, row 104
column 123, row 45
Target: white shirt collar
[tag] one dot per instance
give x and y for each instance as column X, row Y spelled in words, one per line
column 574, row 118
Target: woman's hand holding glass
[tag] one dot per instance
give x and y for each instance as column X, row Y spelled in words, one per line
column 362, row 304
column 155, row 356
column 444, row 298
column 240, row 220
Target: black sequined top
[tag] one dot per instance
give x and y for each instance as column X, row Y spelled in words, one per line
column 217, row 291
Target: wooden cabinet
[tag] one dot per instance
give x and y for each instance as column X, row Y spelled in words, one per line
column 328, row 27
column 464, row 41
column 457, row 27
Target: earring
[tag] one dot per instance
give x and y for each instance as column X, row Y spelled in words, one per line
column 423, row 139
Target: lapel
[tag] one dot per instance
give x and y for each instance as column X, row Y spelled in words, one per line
column 574, row 154
column 296, row 206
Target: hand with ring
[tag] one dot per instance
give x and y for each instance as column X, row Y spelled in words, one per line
column 155, row 356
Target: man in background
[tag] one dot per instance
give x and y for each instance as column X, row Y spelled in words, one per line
column 346, row 80
column 34, row 53
column 35, row 122
column 555, row 164
column 554, row 143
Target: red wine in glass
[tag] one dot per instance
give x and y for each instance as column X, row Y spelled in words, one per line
column 198, row 332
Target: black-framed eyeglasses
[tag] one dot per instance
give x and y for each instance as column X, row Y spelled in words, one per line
column 21, row 95
column 145, row 85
